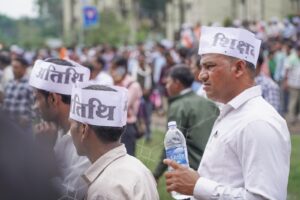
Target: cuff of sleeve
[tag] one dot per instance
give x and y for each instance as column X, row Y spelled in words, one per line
column 204, row 188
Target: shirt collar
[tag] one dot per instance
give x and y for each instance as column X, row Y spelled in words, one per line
column 100, row 165
column 185, row 91
column 239, row 100
column 245, row 96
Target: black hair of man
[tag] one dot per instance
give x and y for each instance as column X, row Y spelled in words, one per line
column 101, row 61
column 198, row 62
column 251, row 69
column 260, row 59
column 183, row 74
column 120, row 62
column 249, row 66
column 22, row 61
column 4, row 60
column 106, row 134
column 66, row 99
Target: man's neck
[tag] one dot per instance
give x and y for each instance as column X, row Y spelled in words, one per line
column 63, row 120
column 100, row 149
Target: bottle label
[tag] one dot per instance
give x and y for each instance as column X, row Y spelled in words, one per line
column 177, row 154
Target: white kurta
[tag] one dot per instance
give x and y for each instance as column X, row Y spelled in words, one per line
column 117, row 175
column 71, row 167
column 248, row 153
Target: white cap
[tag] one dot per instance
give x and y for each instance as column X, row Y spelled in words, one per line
column 57, row 78
column 172, row 123
column 235, row 42
column 107, row 107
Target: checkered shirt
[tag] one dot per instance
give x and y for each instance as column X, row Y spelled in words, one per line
column 18, row 99
column 270, row 91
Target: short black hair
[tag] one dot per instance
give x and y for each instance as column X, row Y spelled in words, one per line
column 106, row 134
column 120, row 62
column 183, row 74
column 59, row 61
column 251, row 68
column 100, row 60
column 66, row 99
column 4, row 59
column 22, row 61
column 260, row 59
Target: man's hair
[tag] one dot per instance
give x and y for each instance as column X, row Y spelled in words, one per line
column 106, row 134
column 22, row 61
column 260, row 59
column 249, row 66
column 120, row 62
column 101, row 61
column 66, row 99
column 4, row 59
column 251, row 69
column 183, row 74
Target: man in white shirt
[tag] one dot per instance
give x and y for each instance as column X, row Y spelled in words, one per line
column 52, row 81
column 98, row 118
column 98, row 73
column 248, row 153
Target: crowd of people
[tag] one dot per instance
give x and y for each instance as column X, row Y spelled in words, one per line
column 165, row 77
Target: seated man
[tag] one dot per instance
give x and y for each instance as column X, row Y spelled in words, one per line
column 98, row 118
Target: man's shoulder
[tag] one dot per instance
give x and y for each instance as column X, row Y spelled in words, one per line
column 191, row 99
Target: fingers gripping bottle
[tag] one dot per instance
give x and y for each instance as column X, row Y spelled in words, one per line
column 175, row 146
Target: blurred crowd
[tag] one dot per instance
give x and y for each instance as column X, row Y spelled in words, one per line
column 144, row 69
column 148, row 64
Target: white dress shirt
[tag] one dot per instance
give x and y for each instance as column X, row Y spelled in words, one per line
column 71, row 167
column 248, row 153
column 117, row 175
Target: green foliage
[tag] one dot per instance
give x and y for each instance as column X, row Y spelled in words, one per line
column 294, row 178
column 227, row 22
column 149, row 154
column 24, row 32
column 51, row 17
column 29, row 34
column 110, row 30
column 8, row 30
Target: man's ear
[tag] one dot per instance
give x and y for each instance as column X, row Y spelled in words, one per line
column 53, row 98
column 239, row 68
column 85, row 128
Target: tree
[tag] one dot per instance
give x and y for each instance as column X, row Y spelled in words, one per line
column 8, row 29
column 51, row 19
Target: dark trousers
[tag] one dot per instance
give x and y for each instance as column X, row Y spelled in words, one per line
column 129, row 139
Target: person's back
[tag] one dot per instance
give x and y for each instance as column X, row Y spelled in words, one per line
column 125, row 176
column 195, row 115
column 113, row 173
column 270, row 91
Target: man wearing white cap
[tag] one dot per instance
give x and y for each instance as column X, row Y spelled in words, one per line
column 98, row 118
column 52, row 81
column 248, row 152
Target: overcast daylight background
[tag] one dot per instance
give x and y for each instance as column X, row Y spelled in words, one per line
column 18, row 8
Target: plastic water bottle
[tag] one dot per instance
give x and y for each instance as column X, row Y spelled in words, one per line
column 175, row 146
